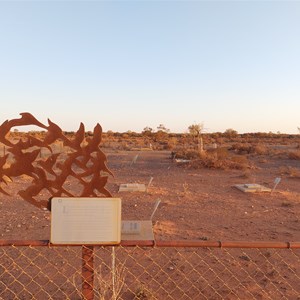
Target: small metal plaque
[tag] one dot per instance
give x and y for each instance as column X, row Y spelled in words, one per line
column 137, row 230
column 131, row 227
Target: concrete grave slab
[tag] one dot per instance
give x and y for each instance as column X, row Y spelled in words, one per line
column 179, row 160
column 252, row 188
column 135, row 187
column 141, row 149
column 132, row 187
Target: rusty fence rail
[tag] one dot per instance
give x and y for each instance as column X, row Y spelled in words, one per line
column 150, row 270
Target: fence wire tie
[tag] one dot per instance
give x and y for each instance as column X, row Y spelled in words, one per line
column 220, row 244
column 289, row 245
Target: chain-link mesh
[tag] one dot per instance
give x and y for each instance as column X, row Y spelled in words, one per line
column 28, row 272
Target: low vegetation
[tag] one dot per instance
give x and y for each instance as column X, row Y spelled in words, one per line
column 227, row 150
column 294, row 155
column 215, row 159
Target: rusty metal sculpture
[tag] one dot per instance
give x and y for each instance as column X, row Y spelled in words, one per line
column 85, row 162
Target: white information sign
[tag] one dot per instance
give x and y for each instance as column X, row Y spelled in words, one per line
column 85, row 220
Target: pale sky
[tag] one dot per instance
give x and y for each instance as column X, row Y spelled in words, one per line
column 132, row 64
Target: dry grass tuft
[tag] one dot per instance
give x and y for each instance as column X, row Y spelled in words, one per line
column 260, row 150
column 142, row 294
column 246, row 148
column 246, row 174
column 108, row 283
column 187, row 154
column 294, row 155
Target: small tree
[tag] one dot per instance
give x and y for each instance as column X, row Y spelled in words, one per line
column 147, row 131
column 162, row 132
column 196, row 131
column 162, row 128
column 230, row 133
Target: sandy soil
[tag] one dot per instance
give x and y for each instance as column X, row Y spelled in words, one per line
column 195, row 203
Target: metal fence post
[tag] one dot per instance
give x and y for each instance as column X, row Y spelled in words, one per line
column 87, row 272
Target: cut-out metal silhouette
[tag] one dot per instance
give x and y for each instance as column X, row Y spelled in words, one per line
column 84, row 161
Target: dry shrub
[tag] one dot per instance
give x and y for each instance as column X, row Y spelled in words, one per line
column 220, row 153
column 246, row 174
column 172, row 142
column 187, row 154
column 241, row 148
column 260, row 150
column 246, row 148
column 221, row 160
column 214, row 159
column 124, row 146
column 162, row 146
column 294, row 155
column 289, row 171
column 239, row 162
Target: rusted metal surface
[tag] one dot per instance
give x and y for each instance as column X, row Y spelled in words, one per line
column 167, row 243
column 228, row 244
column 51, row 173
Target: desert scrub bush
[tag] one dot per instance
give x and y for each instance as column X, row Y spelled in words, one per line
column 214, row 159
column 187, row 154
column 259, row 149
column 124, row 146
column 294, row 155
column 172, row 142
column 221, row 160
column 220, row 153
column 246, row 174
column 241, row 148
column 239, row 162
column 162, row 146
column 247, row 148
column 289, row 171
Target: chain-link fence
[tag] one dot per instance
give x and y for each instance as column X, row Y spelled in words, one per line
column 166, row 270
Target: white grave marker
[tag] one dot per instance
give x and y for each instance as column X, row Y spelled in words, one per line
column 149, row 183
column 276, row 182
column 134, row 160
column 155, row 208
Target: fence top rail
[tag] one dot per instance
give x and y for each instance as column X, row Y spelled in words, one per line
column 165, row 243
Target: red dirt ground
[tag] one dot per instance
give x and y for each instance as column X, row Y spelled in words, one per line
column 196, row 204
